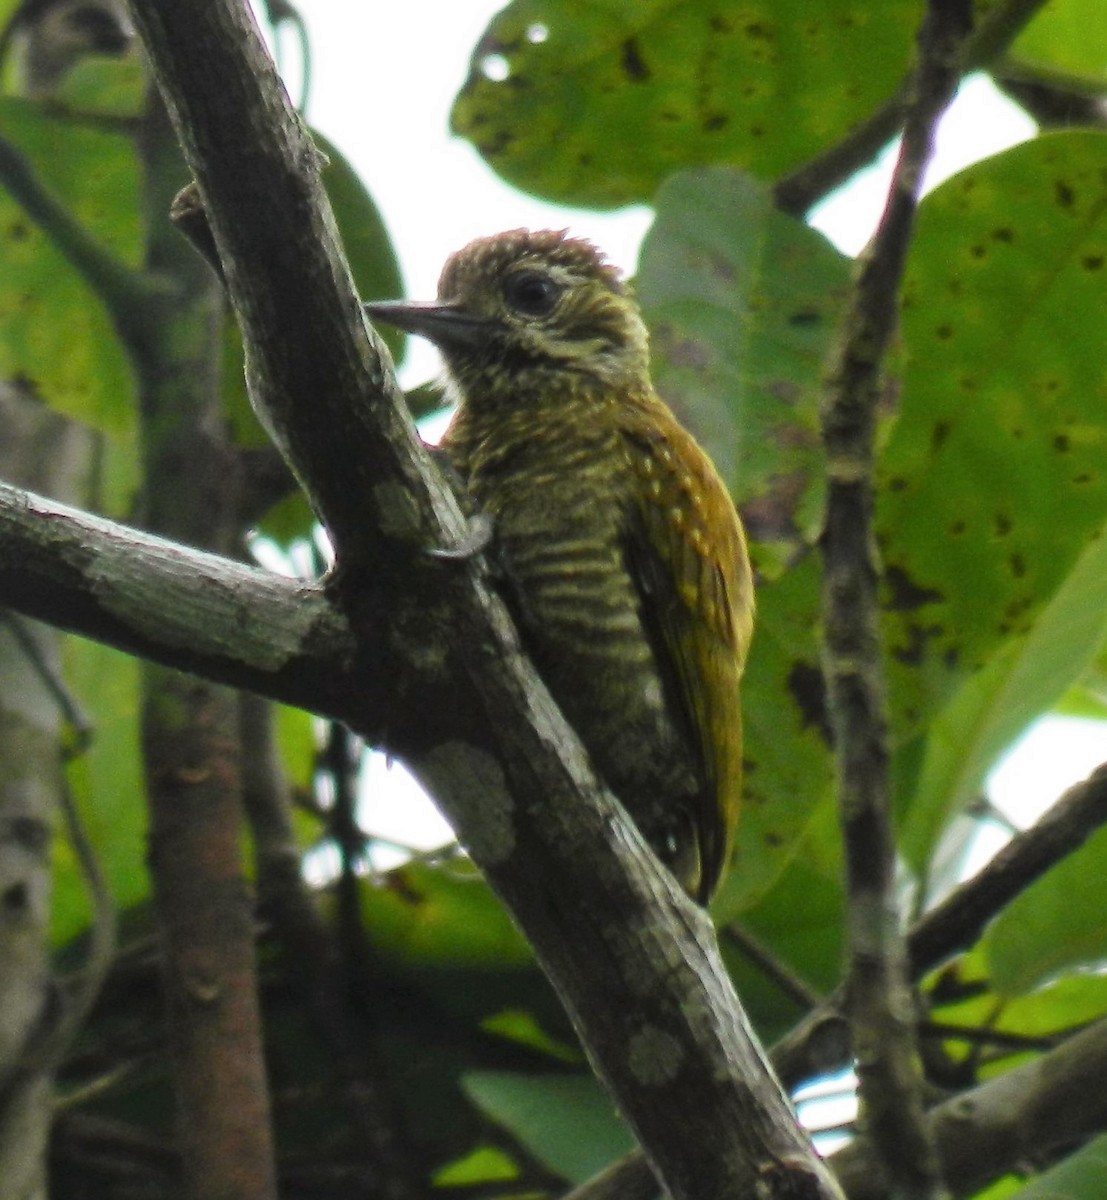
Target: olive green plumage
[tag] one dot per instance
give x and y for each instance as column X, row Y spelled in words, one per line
column 624, row 560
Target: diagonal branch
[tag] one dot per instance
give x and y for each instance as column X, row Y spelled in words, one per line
column 1019, row 1119
column 956, row 923
column 818, row 1045
column 634, row 962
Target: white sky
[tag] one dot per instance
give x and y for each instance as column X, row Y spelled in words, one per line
column 384, row 80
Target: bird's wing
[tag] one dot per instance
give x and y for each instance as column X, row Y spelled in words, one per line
column 688, row 556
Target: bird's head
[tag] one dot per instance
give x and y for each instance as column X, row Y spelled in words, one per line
column 519, row 308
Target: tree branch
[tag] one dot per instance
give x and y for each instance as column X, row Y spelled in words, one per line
column 190, row 735
column 819, row 1044
column 1054, row 99
column 314, row 369
column 957, row 922
column 1024, row 1116
column 182, row 608
column 635, row 963
column 804, row 187
column 881, row 1019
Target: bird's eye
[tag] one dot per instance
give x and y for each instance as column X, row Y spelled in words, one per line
column 531, row 293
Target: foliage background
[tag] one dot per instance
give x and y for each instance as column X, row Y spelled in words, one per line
column 993, row 501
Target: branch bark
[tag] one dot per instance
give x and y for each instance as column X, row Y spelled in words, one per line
column 1022, row 1117
column 880, row 1009
column 182, row 608
column 635, row 963
column 190, row 730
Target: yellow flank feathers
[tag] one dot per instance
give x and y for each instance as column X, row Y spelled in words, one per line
column 624, row 559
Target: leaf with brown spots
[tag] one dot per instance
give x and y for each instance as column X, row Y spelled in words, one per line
column 650, row 88
column 54, row 332
column 742, row 303
column 1025, row 675
column 994, row 477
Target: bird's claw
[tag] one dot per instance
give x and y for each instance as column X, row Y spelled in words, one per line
column 476, row 539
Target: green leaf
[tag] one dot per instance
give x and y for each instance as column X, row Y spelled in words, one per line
column 442, row 917
column 1001, row 1190
column 485, row 1164
column 444, row 937
column 799, row 920
column 107, row 785
column 1086, row 699
column 789, row 772
column 297, row 744
column 742, row 303
column 1078, row 1177
column 365, row 239
column 993, row 480
column 289, row 520
column 566, row 1121
column 1057, row 1008
column 595, row 104
column 54, row 332
column 1049, row 1011
column 1055, row 925
column 8, row 9
column 520, row 1026
column 1068, row 37
column 1024, row 677
column 107, row 86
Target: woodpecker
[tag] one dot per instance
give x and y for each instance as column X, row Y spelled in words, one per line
column 624, row 560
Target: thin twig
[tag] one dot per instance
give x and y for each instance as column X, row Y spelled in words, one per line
column 71, row 712
column 1055, row 99
column 802, row 188
column 881, row 1018
column 982, row 1036
column 102, row 936
column 958, row 921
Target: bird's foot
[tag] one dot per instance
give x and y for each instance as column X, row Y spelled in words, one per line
column 476, row 539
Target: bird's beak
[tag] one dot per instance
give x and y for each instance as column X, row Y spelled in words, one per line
column 444, row 324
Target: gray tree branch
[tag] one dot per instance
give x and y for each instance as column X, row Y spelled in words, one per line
column 1023, row 1117
column 635, row 963
column 182, row 608
column 880, row 1011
